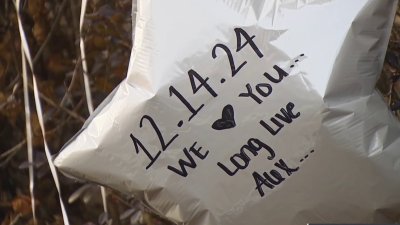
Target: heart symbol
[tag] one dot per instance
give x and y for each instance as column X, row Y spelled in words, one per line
column 227, row 121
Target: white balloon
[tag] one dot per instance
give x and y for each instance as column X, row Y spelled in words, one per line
column 250, row 112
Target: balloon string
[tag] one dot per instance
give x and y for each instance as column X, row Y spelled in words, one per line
column 26, row 56
column 87, row 86
column 28, row 135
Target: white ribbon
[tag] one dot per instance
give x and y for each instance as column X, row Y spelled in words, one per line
column 87, row 86
column 26, row 56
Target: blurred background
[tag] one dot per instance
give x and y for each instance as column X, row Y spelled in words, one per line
column 52, row 29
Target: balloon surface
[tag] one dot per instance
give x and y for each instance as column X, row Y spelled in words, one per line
column 250, row 112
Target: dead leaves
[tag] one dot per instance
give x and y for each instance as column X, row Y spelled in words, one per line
column 22, row 205
column 389, row 82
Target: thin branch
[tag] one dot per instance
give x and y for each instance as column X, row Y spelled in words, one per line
column 123, row 201
column 66, row 120
column 50, row 34
column 72, row 83
column 75, row 22
column 55, row 105
column 16, row 219
column 15, row 57
column 9, row 154
column 13, row 83
column 13, row 149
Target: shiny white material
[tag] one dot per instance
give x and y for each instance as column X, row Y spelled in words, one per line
column 289, row 130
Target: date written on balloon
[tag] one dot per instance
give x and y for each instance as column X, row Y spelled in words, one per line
column 197, row 82
column 195, row 153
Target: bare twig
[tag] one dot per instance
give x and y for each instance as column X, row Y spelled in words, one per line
column 9, row 154
column 125, row 44
column 50, row 34
column 55, row 105
column 66, row 120
column 13, row 149
column 13, row 83
column 123, row 201
column 72, row 83
column 390, row 93
column 16, row 219
column 15, row 57
column 75, row 22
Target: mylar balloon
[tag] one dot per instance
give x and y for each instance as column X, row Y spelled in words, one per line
column 250, row 112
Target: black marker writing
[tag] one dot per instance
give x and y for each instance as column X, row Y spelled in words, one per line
column 273, row 177
column 164, row 145
column 138, row 145
column 227, row 120
column 249, row 40
column 250, row 93
column 281, row 73
column 264, row 89
column 203, row 83
column 286, row 115
column 190, row 162
column 173, row 91
column 282, row 165
column 241, row 160
column 234, row 70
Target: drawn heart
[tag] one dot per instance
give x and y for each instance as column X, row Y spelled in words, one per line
column 227, row 121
